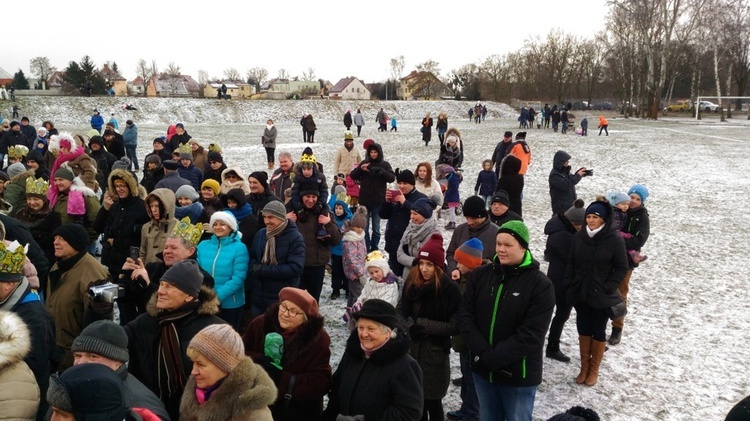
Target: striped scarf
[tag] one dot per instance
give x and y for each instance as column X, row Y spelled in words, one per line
column 269, row 253
column 172, row 377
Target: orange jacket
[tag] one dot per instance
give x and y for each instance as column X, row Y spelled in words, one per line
column 522, row 151
column 603, row 121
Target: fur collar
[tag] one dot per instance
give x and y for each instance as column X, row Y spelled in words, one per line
column 301, row 340
column 246, row 389
column 23, row 176
column 136, row 190
column 395, row 348
column 80, row 186
column 15, row 340
column 207, row 296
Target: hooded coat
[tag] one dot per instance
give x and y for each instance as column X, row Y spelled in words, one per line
column 19, row 393
column 227, row 185
column 375, row 179
column 512, row 182
column 82, row 165
column 226, row 259
column 72, row 213
column 154, row 234
column 562, row 184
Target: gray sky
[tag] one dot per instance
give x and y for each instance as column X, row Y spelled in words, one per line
column 335, row 38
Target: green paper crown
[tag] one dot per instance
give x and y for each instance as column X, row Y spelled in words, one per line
column 12, row 258
column 185, row 148
column 18, row 151
column 191, row 233
column 214, row 147
column 36, row 186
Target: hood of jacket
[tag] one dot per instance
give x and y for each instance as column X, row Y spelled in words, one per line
column 559, row 159
column 167, row 200
column 209, row 303
column 23, row 176
column 136, row 190
column 378, row 148
column 15, row 339
column 234, row 168
column 511, row 165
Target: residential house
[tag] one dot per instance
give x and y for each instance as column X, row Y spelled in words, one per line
column 118, row 83
column 239, row 90
column 349, row 88
column 6, row 79
column 291, row 86
column 422, row 85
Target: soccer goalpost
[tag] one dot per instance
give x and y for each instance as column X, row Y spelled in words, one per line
column 721, row 98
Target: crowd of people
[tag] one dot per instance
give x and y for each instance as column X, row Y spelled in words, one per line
column 192, row 288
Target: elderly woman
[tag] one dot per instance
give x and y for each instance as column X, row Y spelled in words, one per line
column 290, row 343
column 597, row 263
column 277, row 257
column 376, row 379
column 220, row 371
column 421, row 226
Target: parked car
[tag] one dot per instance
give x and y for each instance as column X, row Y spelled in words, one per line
column 681, row 105
column 607, row 106
column 581, row 105
column 708, row 106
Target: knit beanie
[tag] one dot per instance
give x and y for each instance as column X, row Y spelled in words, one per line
column 221, row 345
column 576, row 214
column 301, row 298
column 187, row 191
column 307, row 186
column 366, row 144
column 360, row 217
column 105, row 338
column 215, row 157
column 225, row 217
column 433, row 250
column 379, row 311
column 212, row 184
column 518, row 230
column 640, row 190
column 160, row 140
column 75, row 235
column 92, row 132
column 15, row 169
column 474, row 207
column 423, row 207
column 262, row 178
column 616, row 197
column 469, row 253
column 96, row 140
column 276, row 209
column 65, row 173
column 600, row 209
column 406, row 176
column 501, row 196
column 89, row 391
column 186, row 155
column 375, row 259
column 186, row 276
column 122, row 164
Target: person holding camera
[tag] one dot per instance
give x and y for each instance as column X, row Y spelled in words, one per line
column 68, row 298
column 397, row 210
column 562, row 184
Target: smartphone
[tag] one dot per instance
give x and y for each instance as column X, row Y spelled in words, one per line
column 394, row 194
column 134, row 253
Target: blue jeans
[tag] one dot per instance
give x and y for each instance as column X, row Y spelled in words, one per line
column 498, row 402
column 130, row 152
column 470, row 403
column 373, row 214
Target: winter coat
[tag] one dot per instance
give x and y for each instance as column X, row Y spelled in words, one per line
column 19, row 393
column 104, row 161
column 310, row 124
column 280, row 182
column 68, row 298
column 193, row 211
column 387, row 386
column 595, row 268
column 84, row 167
column 13, row 138
column 192, row 174
column 176, row 140
column 345, row 159
column 509, row 215
column 486, row 183
column 375, row 180
column 307, row 355
column 433, row 191
column 42, row 226
column 435, row 308
column 386, row 290
column 226, row 404
column 130, row 135
column 560, row 233
column 426, row 129
column 116, row 146
column 359, row 120
column 562, row 184
column 318, row 252
column 340, row 221
column 85, row 216
column 16, row 230
column 290, row 255
column 486, row 232
column 258, row 202
column 501, row 151
column 154, row 234
column 172, row 181
column 412, row 240
column 603, row 121
column 269, row 137
column 638, row 224
column 226, row 259
column 398, row 216
column 348, row 120
column 522, row 151
column 451, row 192
column 354, row 254
column 15, row 191
column 151, row 178
column 504, row 316
column 97, row 121
column 200, row 160
column 316, row 182
column 214, row 174
column 450, row 155
column 144, row 335
column 137, row 395
column 512, row 182
column 227, row 185
column 352, row 187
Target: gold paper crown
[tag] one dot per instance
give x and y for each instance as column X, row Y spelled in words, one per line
column 18, row 151
column 36, row 186
column 308, row 158
column 375, row 255
column 185, row 148
column 12, row 259
column 184, row 229
column 214, row 147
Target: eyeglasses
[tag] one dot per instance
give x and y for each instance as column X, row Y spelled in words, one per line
column 121, row 186
column 290, row 311
column 233, row 176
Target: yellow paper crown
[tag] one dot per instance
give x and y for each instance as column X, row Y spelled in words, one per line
column 17, row 151
column 36, row 186
column 375, row 255
column 214, row 147
column 184, row 229
column 185, row 148
column 308, row 158
column 12, row 258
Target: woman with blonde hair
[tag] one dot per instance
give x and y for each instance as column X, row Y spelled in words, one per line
column 426, row 183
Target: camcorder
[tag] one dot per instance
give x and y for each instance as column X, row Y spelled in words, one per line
column 108, row 292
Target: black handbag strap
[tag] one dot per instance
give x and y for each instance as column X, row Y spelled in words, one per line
column 288, row 394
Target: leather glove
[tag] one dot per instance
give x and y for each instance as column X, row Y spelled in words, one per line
column 417, row 332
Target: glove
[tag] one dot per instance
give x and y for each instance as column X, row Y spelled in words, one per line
column 273, row 348
column 301, row 215
column 417, row 332
column 318, row 208
column 254, row 271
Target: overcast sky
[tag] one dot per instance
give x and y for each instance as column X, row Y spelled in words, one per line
column 335, row 38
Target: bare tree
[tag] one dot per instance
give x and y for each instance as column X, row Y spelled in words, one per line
column 145, row 72
column 232, row 74
column 397, row 67
column 41, row 69
column 257, row 76
column 309, row 74
column 203, row 78
column 283, row 74
column 430, row 66
column 172, row 74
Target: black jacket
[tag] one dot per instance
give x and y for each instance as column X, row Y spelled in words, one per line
column 562, row 184
column 373, row 182
column 512, row 182
column 596, row 266
column 509, row 215
column 501, row 150
column 639, row 225
column 398, row 217
column 560, row 234
column 504, row 316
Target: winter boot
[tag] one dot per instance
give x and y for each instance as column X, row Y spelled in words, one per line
column 584, row 343
column 616, row 335
column 597, row 354
column 553, row 351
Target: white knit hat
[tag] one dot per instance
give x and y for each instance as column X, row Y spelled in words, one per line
column 225, row 217
column 376, row 259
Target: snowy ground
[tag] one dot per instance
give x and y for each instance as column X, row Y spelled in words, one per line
column 685, row 341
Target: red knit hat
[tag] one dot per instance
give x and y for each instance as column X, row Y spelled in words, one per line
column 367, row 143
column 301, row 298
column 433, row 251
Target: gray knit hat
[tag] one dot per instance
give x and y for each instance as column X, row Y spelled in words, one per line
column 122, row 164
column 105, row 338
column 221, row 345
column 187, row 191
column 15, row 169
column 64, row 173
column 576, row 214
column 276, row 209
column 186, row 276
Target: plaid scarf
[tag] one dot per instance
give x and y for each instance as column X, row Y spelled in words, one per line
column 269, row 253
column 172, row 377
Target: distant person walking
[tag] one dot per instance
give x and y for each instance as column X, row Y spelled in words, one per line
column 348, row 119
column 426, row 129
column 603, row 124
column 311, row 127
column 359, row 121
column 303, row 123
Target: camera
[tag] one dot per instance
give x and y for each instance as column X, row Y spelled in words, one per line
column 134, row 253
column 588, row 173
column 108, row 292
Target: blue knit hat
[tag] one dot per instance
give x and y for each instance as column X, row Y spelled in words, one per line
column 600, row 209
column 423, row 207
column 640, row 190
column 615, row 197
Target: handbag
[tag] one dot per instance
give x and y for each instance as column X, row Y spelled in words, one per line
column 617, row 311
column 421, row 130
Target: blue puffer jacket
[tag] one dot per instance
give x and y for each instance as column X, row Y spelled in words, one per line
column 226, row 259
column 338, row 249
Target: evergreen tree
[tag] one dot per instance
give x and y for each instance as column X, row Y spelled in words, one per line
column 20, row 81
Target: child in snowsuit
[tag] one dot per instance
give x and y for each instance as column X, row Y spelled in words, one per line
column 382, row 284
column 354, row 253
column 486, row 182
column 341, row 214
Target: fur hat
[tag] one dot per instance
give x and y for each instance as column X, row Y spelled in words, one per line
column 406, row 176
column 64, row 173
column 641, row 191
column 433, row 250
column 75, row 235
column 186, row 275
column 275, row 208
column 105, row 338
column 501, row 196
column 360, row 217
column 153, row 159
column 212, row 184
column 187, row 191
column 221, row 345
column 225, row 217
column 576, row 215
column 301, row 298
column 93, row 392
column 474, row 207
column 469, row 253
column 379, row 311
column 518, row 230
column 616, row 197
column 376, row 259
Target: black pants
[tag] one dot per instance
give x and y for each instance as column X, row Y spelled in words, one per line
column 338, row 280
column 312, row 280
column 359, row 130
column 311, row 136
column 304, row 135
column 562, row 313
column 433, row 410
column 270, row 152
